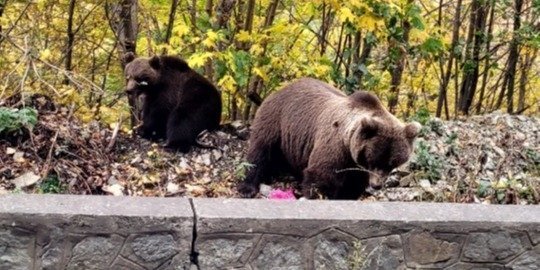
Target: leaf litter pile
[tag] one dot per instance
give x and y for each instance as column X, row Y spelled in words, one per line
column 493, row 158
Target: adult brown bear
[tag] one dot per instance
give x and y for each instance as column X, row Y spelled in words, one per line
column 178, row 102
column 338, row 144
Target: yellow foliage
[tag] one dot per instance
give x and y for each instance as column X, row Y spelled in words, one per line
column 261, row 73
column 243, row 36
column 256, row 49
column 199, row 59
column 346, row 15
column 180, row 30
column 417, row 36
column 45, row 55
column 370, row 23
column 227, row 83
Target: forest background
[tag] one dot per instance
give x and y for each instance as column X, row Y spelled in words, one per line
column 445, row 57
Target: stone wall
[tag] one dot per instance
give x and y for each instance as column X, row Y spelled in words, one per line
column 79, row 232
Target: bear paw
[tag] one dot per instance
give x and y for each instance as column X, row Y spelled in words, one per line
column 247, row 190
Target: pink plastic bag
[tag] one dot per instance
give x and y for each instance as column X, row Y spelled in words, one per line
column 278, row 194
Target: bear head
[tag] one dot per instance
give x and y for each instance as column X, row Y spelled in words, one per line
column 380, row 145
column 142, row 74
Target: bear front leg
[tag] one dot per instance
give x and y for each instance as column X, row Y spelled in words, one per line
column 319, row 179
column 259, row 157
column 154, row 124
column 182, row 131
column 321, row 172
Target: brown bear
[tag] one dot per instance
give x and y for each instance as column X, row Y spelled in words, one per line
column 178, row 102
column 335, row 143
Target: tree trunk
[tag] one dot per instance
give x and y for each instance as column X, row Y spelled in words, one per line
column 70, row 39
column 525, row 68
column 223, row 13
column 256, row 82
column 170, row 25
column 327, row 21
column 472, row 58
column 3, row 4
column 443, row 89
column 123, row 20
column 513, row 58
column 397, row 73
column 486, row 59
column 362, row 61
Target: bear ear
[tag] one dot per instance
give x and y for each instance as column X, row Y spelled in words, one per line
column 369, row 128
column 129, row 57
column 412, row 130
column 155, row 62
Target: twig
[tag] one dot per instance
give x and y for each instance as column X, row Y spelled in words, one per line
column 114, row 135
column 358, row 168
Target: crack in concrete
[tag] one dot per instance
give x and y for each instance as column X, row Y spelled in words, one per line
column 194, row 255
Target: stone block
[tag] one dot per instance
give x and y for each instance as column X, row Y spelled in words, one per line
column 16, row 248
column 432, row 250
column 150, row 250
column 225, row 250
column 279, row 252
column 95, row 252
column 331, row 249
column 383, row 253
column 498, row 246
column 529, row 260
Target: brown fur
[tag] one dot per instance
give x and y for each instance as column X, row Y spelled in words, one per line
column 319, row 133
column 178, row 103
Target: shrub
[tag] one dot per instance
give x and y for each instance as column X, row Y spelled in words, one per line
column 16, row 120
column 424, row 161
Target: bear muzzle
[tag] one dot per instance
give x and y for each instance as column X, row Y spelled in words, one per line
column 377, row 179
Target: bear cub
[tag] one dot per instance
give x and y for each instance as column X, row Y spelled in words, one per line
column 178, row 103
column 330, row 142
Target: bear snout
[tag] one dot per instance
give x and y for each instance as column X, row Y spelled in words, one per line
column 376, row 179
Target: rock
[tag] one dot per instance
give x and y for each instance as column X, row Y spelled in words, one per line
column 529, row 260
column 427, row 250
column 425, row 184
column 406, row 180
column 492, row 246
column 217, row 155
column 383, row 253
column 95, row 252
column 274, row 253
column 10, row 151
column 152, row 248
column 265, row 190
column 237, row 124
column 392, row 181
column 15, row 249
column 114, row 189
column 402, row 194
column 334, row 249
column 499, row 151
column 172, row 188
column 19, row 157
column 332, row 255
column 223, row 253
column 26, row 180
